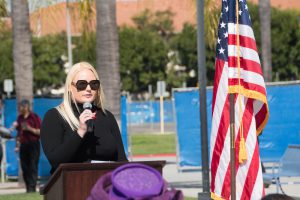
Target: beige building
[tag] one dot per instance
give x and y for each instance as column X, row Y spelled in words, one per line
column 52, row 19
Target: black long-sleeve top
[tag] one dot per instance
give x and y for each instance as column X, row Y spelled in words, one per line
column 63, row 145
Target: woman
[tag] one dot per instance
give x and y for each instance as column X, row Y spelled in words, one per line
column 64, row 134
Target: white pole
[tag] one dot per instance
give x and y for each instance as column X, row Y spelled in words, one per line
column 151, row 106
column 69, row 38
column 162, row 128
column 129, row 129
column 3, row 164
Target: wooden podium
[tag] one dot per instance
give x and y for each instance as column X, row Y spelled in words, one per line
column 74, row 181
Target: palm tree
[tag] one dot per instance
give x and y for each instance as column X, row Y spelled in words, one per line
column 3, row 14
column 107, row 51
column 22, row 52
column 3, row 8
column 265, row 31
column 211, row 19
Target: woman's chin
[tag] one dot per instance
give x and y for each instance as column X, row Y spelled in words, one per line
column 85, row 99
column 88, row 99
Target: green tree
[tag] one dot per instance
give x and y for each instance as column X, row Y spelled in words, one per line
column 285, row 45
column 185, row 43
column 160, row 22
column 143, row 59
column 47, row 61
column 46, row 54
column 285, row 42
column 265, row 31
column 175, row 73
column 6, row 64
column 85, row 48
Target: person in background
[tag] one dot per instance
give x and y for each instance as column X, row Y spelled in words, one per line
column 64, row 133
column 27, row 143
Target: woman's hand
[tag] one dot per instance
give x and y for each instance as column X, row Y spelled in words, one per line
column 84, row 116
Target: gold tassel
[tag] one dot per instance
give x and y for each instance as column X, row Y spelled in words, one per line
column 242, row 152
column 215, row 197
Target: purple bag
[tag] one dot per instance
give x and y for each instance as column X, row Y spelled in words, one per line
column 134, row 182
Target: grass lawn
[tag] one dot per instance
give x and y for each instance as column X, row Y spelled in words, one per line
column 153, row 144
column 24, row 196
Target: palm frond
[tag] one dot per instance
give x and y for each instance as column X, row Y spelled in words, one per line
column 3, row 11
column 211, row 19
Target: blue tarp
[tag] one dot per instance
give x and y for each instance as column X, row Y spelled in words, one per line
column 124, row 124
column 41, row 106
column 188, row 125
column 283, row 127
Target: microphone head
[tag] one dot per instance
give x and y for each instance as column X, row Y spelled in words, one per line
column 87, row 105
column 4, row 130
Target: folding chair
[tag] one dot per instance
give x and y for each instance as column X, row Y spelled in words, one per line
column 289, row 166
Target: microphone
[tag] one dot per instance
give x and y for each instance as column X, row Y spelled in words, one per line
column 5, row 132
column 89, row 123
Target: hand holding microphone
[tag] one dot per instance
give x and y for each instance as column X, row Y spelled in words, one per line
column 86, row 119
column 90, row 125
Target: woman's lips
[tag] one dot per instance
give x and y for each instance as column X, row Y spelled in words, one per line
column 87, row 95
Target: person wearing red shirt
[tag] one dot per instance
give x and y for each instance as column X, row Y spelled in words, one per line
column 27, row 143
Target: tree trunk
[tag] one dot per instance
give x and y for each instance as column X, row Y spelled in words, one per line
column 265, row 31
column 107, row 51
column 22, row 52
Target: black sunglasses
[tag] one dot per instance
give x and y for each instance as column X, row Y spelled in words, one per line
column 82, row 84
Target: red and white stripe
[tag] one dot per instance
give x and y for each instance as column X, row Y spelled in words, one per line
column 254, row 113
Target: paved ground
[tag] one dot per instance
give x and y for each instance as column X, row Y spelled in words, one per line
column 151, row 128
column 189, row 181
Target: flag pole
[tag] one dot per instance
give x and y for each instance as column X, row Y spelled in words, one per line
column 232, row 117
column 232, row 149
column 205, row 195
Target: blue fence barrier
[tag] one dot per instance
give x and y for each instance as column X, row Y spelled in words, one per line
column 283, row 127
column 41, row 106
column 149, row 112
column 188, row 125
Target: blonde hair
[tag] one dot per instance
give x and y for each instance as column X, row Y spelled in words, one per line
column 65, row 108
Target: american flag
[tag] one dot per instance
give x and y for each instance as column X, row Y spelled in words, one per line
column 238, row 71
